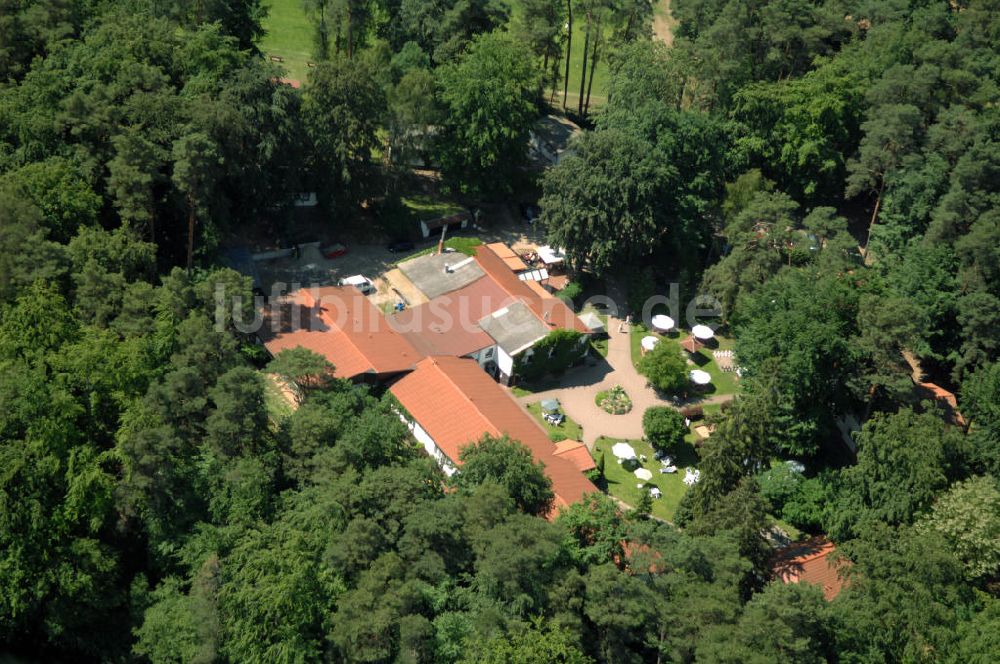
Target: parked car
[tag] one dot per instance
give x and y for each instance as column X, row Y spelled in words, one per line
column 361, row 282
column 333, row 249
column 399, row 246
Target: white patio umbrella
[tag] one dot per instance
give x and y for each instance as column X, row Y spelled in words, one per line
column 663, row 323
column 623, row 451
column 644, row 474
column 702, row 332
column 649, row 343
column 699, row 377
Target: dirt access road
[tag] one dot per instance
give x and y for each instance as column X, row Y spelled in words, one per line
column 663, row 22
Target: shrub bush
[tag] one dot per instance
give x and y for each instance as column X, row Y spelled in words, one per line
column 664, row 368
column 615, row 401
column 693, row 413
column 571, row 292
column 554, row 354
column 663, row 427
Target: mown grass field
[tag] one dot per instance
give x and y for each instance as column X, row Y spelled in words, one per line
column 599, row 92
column 461, row 244
column 289, row 36
column 722, row 382
column 623, row 484
column 567, row 430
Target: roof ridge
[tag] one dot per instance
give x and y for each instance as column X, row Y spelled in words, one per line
column 333, row 325
column 349, row 299
column 465, row 396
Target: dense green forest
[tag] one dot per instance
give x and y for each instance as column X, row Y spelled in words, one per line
column 830, row 170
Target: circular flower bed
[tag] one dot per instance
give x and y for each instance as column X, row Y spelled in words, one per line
column 614, row 401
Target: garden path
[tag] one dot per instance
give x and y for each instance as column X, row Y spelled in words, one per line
column 581, row 386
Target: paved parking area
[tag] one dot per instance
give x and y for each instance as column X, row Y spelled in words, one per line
column 501, row 224
column 311, row 267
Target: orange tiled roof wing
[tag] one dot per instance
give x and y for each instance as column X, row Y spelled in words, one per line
column 456, row 402
column 341, row 324
column 809, row 562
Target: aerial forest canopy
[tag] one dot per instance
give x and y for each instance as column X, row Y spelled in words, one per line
column 828, row 170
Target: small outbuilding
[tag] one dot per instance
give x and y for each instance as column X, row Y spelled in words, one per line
column 593, row 323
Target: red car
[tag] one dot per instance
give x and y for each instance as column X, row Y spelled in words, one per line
column 334, row 249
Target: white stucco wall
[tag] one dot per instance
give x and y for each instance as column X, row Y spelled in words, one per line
column 505, row 362
column 429, row 445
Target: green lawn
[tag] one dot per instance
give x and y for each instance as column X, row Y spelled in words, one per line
column 463, row 245
column 568, row 429
column 598, row 94
column 722, row 382
column 621, row 404
column 426, row 208
column 636, row 334
column 526, row 388
column 621, row 483
column 289, row 36
column 600, row 346
column 402, row 220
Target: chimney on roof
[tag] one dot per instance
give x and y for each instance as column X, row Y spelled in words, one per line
column 444, row 229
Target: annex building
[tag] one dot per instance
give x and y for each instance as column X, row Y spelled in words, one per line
column 439, row 359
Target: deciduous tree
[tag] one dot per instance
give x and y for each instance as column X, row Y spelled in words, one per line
column 664, row 368
column 489, row 97
column 509, row 464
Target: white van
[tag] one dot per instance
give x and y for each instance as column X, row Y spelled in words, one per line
column 360, row 282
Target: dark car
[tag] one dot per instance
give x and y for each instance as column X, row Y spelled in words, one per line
column 399, row 246
column 530, row 213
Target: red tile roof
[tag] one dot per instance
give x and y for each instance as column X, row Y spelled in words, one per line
column 946, row 399
column 538, row 288
column 449, row 324
column 809, row 562
column 550, row 310
column 342, row 325
column 692, row 345
column 558, row 281
column 456, row 402
column 577, row 453
column 508, row 256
